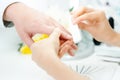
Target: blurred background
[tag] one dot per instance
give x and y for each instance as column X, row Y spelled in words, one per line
column 14, row 64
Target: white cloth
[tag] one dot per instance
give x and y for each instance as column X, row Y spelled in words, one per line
column 3, row 5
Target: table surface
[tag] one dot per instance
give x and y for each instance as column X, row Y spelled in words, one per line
column 15, row 66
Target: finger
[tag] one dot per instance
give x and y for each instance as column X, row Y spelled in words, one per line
column 63, row 29
column 68, row 47
column 55, row 34
column 63, row 51
column 56, row 24
column 65, row 34
column 82, row 26
column 66, row 43
column 81, row 11
column 90, row 18
column 78, row 12
column 62, row 41
column 70, row 43
column 70, row 52
column 74, row 46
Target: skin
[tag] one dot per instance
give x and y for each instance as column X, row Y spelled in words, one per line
column 45, row 56
column 29, row 22
column 96, row 23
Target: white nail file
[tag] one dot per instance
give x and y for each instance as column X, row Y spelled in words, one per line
column 75, row 31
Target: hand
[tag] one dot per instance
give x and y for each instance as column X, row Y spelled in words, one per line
column 46, row 48
column 46, row 52
column 95, row 22
column 28, row 22
column 50, row 47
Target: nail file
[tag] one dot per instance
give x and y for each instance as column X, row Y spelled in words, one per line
column 75, row 31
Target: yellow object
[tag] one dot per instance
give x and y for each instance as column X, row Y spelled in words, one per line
column 26, row 50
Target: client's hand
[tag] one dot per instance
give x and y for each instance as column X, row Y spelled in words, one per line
column 46, row 48
column 50, row 47
column 29, row 22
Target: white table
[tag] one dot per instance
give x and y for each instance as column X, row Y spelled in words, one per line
column 14, row 66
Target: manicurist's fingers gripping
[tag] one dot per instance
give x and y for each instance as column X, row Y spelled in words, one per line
column 81, row 11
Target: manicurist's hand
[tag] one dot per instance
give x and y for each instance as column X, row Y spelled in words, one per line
column 45, row 54
column 28, row 22
column 46, row 48
column 96, row 23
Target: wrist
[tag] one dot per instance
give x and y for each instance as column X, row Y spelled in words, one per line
column 45, row 59
column 113, row 38
column 15, row 11
column 48, row 63
column 115, row 41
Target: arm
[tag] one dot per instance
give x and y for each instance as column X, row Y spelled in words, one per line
column 58, row 70
column 29, row 22
column 45, row 54
column 96, row 23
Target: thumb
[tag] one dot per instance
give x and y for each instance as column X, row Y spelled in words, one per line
column 55, row 34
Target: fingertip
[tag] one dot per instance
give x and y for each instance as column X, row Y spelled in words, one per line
column 74, row 46
column 71, row 53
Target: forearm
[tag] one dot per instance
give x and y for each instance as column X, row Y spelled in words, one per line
column 60, row 71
